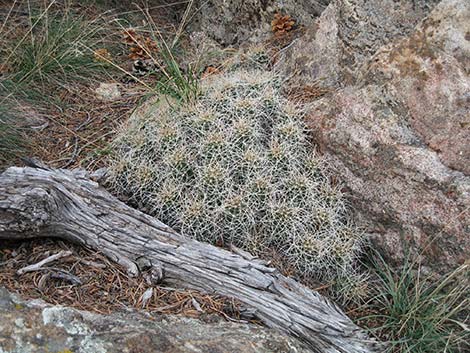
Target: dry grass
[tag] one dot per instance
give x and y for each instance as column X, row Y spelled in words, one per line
column 415, row 311
column 47, row 64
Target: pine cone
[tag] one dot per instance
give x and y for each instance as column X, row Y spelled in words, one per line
column 282, row 24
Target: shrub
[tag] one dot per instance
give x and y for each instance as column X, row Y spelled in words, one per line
column 235, row 166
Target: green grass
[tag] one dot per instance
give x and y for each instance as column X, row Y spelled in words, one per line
column 57, row 50
column 48, row 53
column 54, row 51
column 176, row 83
column 419, row 313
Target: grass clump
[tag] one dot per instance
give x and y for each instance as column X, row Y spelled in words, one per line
column 235, row 166
column 55, row 49
column 153, row 49
column 175, row 82
column 418, row 313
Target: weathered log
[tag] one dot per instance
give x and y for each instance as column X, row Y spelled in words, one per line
column 67, row 204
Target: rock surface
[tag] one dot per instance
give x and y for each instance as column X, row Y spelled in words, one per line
column 33, row 326
column 399, row 137
column 347, row 33
column 244, row 21
column 108, row 91
column 396, row 120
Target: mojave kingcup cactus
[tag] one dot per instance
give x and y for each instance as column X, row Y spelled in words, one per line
column 236, row 165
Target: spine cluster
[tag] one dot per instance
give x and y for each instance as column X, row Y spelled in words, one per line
column 236, row 166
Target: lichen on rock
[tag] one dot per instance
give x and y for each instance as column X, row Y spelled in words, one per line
column 43, row 328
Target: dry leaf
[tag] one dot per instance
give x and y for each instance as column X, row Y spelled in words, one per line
column 141, row 47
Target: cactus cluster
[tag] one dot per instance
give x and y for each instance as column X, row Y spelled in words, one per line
column 235, row 166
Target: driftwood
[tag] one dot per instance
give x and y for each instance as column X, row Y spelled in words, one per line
column 67, row 204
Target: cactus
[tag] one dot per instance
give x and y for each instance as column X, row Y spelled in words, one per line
column 235, row 166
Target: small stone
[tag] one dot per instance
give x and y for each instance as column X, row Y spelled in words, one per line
column 108, row 91
column 19, row 322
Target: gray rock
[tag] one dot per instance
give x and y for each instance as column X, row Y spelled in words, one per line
column 429, row 72
column 347, row 33
column 33, row 326
column 108, row 91
column 248, row 21
column 399, row 138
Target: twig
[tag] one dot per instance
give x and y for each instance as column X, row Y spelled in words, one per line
column 34, row 163
column 62, row 275
column 92, row 263
column 38, row 266
column 85, row 122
